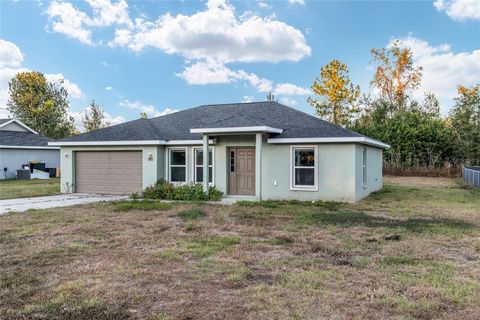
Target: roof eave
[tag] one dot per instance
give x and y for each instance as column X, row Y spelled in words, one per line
column 362, row 140
column 252, row 129
column 6, row 146
column 106, row 143
column 128, row 143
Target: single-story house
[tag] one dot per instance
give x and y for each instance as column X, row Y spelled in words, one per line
column 20, row 144
column 264, row 150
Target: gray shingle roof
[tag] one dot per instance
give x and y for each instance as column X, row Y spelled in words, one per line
column 16, row 138
column 176, row 126
column 2, row 121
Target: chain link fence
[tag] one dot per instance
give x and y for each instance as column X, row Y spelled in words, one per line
column 471, row 175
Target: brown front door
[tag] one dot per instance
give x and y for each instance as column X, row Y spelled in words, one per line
column 241, row 171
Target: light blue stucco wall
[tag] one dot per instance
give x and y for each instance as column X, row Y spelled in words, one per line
column 339, row 168
column 374, row 171
column 12, row 159
column 335, row 173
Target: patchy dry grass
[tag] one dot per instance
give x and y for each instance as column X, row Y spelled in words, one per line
column 411, row 250
column 144, row 205
column 10, row 189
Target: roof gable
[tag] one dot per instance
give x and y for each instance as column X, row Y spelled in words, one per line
column 15, row 125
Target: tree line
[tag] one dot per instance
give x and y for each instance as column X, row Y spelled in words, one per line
column 419, row 136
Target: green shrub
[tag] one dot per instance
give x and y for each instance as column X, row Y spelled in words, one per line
column 159, row 190
column 135, row 196
column 190, row 192
column 192, row 214
column 187, row 192
column 214, row 194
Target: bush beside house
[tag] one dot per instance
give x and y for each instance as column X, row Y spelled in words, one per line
column 188, row 192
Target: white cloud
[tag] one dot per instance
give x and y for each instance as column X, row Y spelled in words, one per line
column 206, row 72
column 164, row 112
column 217, row 33
column 459, row 9
column 10, row 54
column 288, row 89
column 296, row 1
column 443, row 69
column 248, row 99
column 108, row 88
column 11, row 58
column 264, row 5
column 113, row 120
column 74, row 23
column 288, row 101
column 149, row 109
column 208, row 39
column 72, row 88
column 6, row 74
column 65, row 18
column 212, row 72
column 107, row 13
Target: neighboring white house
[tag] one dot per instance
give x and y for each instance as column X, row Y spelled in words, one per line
column 20, row 144
column 264, row 150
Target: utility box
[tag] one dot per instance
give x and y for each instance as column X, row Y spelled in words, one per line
column 23, row 174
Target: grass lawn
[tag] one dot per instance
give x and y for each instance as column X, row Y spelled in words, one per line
column 13, row 188
column 409, row 251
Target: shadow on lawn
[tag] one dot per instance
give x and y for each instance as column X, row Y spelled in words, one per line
column 348, row 219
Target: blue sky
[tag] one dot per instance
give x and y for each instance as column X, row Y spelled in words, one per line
column 161, row 56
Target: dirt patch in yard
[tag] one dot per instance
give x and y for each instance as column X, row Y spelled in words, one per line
column 421, row 182
column 400, row 253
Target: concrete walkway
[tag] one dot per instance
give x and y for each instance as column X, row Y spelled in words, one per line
column 229, row 200
column 61, row 200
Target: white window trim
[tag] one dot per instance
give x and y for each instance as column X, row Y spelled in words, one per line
column 194, row 165
column 168, row 166
column 292, row 168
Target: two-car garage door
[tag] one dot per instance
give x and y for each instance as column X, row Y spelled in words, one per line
column 115, row 172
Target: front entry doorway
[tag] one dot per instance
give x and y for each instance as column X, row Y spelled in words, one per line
column 241, row 171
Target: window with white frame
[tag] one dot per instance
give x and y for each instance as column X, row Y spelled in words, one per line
column 198, row 165
column 177, row 165
column 304, row 168
column 364, row 167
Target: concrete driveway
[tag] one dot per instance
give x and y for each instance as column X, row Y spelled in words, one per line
column 61, row 200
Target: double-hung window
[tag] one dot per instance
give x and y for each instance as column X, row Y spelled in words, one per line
column 364, row 168
column 198, row 163
column 177, row 165
column 304, row 168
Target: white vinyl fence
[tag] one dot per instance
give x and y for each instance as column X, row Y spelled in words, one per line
column 471, row 175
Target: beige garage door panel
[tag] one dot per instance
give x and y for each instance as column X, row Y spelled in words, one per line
column 116, row 172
